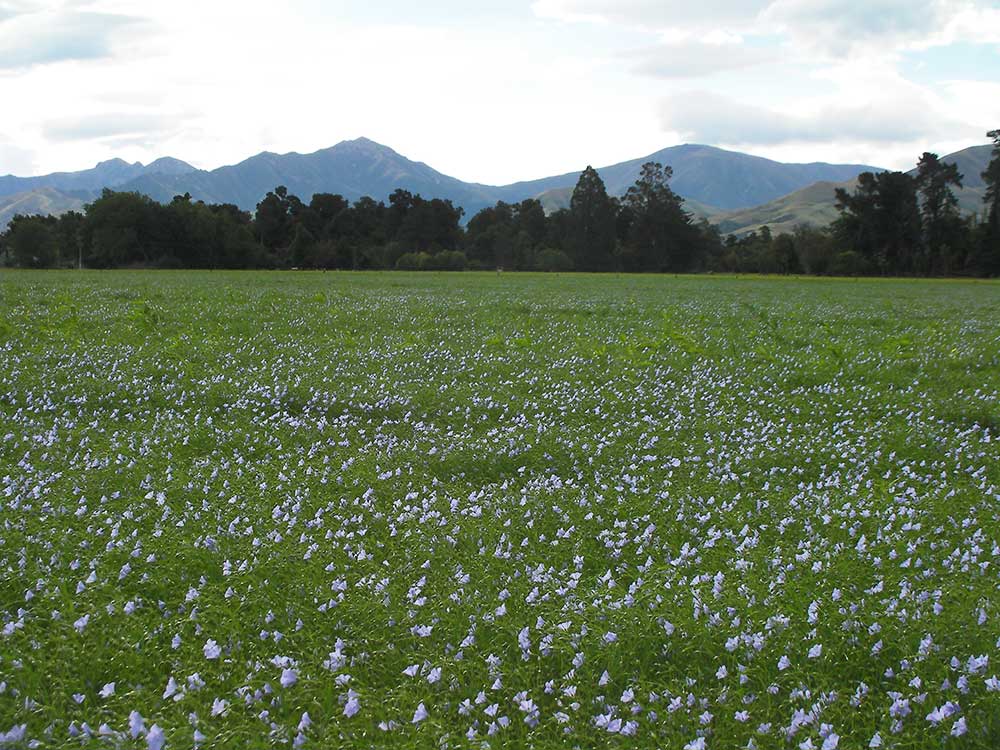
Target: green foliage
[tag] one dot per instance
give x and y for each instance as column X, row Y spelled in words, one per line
column 447, row 260
column 659, row 234
column 671, row 487
column 32, row 241
column 989, row 242
column 942, row 226
column 880, row 221
column 550, row 259
column 506, row 235
column 590, row 241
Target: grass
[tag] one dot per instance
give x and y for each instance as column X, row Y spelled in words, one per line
column 611, row 510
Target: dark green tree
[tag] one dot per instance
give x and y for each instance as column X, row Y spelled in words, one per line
column 942, row 226
column 989, row 255
column 32, row 241
column 880, row 222
column 300, row 251
column 323, row 209
column 591, row 238
column 124, row 229
column 507, row 235
column 273, row 223
column 660, row 236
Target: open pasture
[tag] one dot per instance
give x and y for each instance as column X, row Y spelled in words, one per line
column 427, row 511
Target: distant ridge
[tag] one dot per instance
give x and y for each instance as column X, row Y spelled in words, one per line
column 111, row 173
column 738, row 191
column 712, row 177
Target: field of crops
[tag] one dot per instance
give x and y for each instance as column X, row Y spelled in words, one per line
column 430, row 511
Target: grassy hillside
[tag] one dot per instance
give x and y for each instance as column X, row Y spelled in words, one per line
column 42, row 201
column 815, row 204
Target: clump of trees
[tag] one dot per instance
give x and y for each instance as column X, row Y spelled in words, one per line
column 892, row 223
column 128, row 229
column 895, row 223
column 646, row 230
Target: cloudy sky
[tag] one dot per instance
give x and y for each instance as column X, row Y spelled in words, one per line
column 494, row 90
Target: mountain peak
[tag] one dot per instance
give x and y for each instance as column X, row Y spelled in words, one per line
column 169, row 165
column 365, row 145
column 116, row 163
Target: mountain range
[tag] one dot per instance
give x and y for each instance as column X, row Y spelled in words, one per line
column 737, row 191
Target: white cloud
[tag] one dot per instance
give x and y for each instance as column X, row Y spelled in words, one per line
column 829, row 27
column 692, row 58
column 215, row 82
column 656, row 14
column 31, row 35
column 115, row 125
column 838, row 29
column 14, row 159
column 706, row 117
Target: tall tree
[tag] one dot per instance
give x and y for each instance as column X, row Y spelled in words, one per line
column 939, row 217
column 273, row 220
column 991, row 232
column 880, row 221
column 591, row 224
column 661, row 236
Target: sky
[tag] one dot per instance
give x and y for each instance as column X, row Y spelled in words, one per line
column 494, row 91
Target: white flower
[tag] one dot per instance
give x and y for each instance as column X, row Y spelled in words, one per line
column 171, row 688
column 353, row 705
column 136, row 724
column 14, row 735
column 155, row 739
column 524, row 640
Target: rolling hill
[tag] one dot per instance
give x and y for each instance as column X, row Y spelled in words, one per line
column 815, row 205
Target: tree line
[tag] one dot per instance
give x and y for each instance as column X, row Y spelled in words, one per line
column 893, row 223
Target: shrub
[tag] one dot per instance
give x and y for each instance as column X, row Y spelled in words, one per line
column 549, row 259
